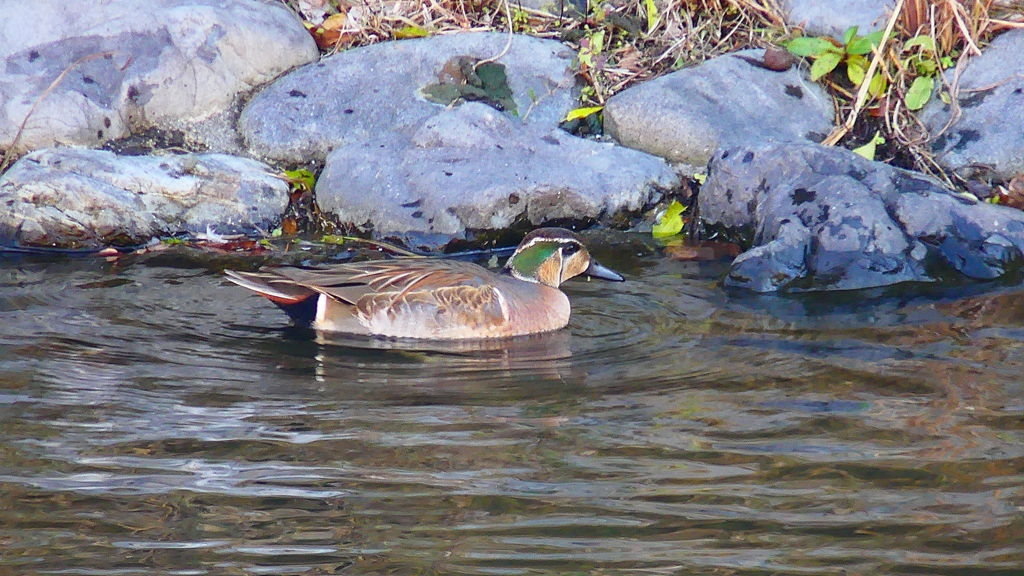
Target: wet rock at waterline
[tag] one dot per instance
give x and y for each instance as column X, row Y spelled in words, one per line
column 169, row 64
column 472, row 168
column 361, row 93
column 833, row 18
column 986, row 140
column 819, row 218
column 686, row 115
column 73, row 198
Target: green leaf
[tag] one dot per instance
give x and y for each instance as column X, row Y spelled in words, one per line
column 920, row 92
column 411, row 32
column 652, row 15
column 580, row 113
column 700, row 177
column 946, row 61
column 878, row 85
column 856, row 69
column 863, row 45
column 302, row 179
column 851, row 33
column 671, row 222
column 868, row 150
column 927, row 67
column 925, row 42
column 809, row 46
column 332, row 239
column 825, row 63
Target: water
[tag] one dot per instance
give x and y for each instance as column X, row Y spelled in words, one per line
column 156, row 419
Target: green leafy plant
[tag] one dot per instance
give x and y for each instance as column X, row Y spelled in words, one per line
column 923, row 61
column 828, row 53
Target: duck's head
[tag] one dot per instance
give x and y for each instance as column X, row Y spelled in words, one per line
column 553, row 255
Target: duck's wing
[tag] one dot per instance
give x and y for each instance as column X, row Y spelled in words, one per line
column 352, row 282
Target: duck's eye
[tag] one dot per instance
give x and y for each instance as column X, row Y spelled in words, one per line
column 570, row 249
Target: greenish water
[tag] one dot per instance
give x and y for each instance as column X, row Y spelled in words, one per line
column 156, row 419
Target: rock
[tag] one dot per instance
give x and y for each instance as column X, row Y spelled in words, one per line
column 472, row 169
column 987, row 141
column 361, row 93
column 74, row 198
column 172, row 65
column 686, row 115
column 818, row 218
column 819, row 18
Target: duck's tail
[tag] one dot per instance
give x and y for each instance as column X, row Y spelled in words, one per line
column 299, row 302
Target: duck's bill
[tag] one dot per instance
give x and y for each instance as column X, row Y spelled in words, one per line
column 595, row 270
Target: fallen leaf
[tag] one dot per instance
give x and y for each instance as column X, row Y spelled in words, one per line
column 335, row 22
column 580, row 113
column 289, row 226
column 411, row 32
column 671, row 222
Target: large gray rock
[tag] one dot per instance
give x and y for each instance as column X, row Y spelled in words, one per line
column 686, row 115
column 175, row 65
column 473, row 168
column 818, row 218
column 987, row 140
column 361, row 93
column 74, row 198
column 833, row 18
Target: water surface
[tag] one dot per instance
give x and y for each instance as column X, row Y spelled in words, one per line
column 156, row 419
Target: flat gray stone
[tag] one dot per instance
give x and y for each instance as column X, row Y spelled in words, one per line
column 686, row 115
column 817, row 218
column 361, row 93
column 835, row 17
column 987, row 141
column 473, row 169
column 176, row 65
column 75, row 198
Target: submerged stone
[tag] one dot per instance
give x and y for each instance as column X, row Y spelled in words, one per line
column 473, row 169
column 686, row 115
column 73, row 198
column 364, row 92
column 133, row 65
column 986, row 140
column 818, row 218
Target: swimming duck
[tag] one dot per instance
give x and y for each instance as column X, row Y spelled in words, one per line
column 435, row 299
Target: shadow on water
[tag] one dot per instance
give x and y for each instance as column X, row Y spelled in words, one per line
column 156, row 419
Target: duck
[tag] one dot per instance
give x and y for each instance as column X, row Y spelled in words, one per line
column 436, row 299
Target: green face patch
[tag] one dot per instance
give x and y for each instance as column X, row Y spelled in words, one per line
column 528, row 261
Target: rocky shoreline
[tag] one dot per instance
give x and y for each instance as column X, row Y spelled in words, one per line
column 239, row 84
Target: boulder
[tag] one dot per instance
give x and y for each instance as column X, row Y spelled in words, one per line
column 986, row 141
column 818, row 218
column 361, row 93
column 134, row 65
column 686, row 115
column 834, row 18
column 473, row 169
column 74, row 198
